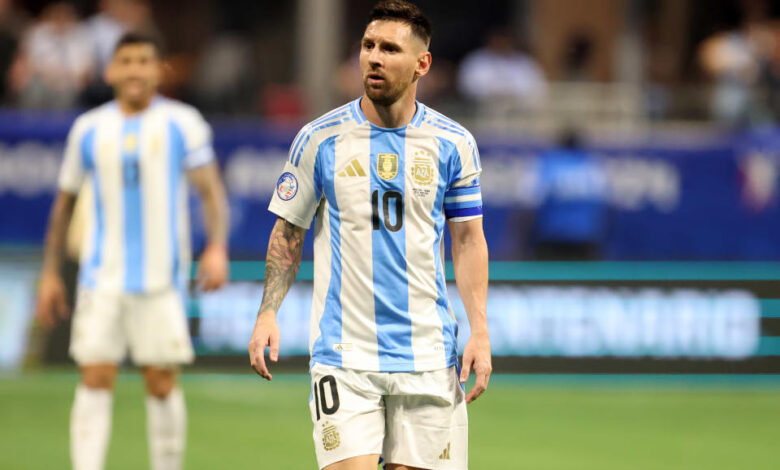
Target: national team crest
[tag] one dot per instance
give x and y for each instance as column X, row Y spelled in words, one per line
column 387, row 165
column 330, row 437
column 423, row 171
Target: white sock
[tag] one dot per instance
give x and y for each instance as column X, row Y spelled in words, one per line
column 90, row 427
column 166, row 422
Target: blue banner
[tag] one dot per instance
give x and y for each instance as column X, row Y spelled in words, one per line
column 666, row 198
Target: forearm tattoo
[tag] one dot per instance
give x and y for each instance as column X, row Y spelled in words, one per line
column 282, row 262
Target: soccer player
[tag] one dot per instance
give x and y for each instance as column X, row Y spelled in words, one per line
column 134, row 153
column 382, row 174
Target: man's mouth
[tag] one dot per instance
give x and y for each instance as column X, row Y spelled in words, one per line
column 375, row 78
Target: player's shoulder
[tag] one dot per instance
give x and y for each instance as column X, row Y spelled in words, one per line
column 93, row 117
column 333, row 122
column 177, row 109
column 444, row 126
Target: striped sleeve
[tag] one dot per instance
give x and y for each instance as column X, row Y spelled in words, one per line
column 463, row 199
column 298, row 191
column 197, row 135
column 72, row 170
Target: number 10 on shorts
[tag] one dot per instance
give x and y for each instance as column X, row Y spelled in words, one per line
column 320, row 394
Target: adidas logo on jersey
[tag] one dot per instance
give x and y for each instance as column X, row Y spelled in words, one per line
column 353, row 169
column 445, row 454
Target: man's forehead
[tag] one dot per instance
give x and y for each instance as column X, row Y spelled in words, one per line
column 389, row 30
column 136, row 49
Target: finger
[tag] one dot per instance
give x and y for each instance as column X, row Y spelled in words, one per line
column 274, row 352
column 464, row 373
column 259, row 363
column 62, row 305
column 475, row 392
column 42, row 315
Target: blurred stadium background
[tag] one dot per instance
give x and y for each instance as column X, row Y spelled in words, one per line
column 631, row 153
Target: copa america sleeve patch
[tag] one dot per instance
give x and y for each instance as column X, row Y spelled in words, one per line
column 287, row 186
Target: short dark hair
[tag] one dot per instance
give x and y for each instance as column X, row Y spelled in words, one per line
column 404, row 12
column 132, row 38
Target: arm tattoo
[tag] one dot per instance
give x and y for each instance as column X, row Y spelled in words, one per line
column 282, row 262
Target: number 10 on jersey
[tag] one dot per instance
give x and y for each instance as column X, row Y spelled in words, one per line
column 389, row 198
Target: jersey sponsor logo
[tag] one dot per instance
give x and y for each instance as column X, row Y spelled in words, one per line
column 353, row 168
column 287, row 186
column 342, row 346
column 387, row 165
column 330, row 436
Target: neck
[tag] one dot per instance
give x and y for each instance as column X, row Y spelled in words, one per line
column 129, row 107
column 391, row 116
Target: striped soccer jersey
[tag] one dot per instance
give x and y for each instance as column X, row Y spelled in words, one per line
column 380, row 197
column 138, row 237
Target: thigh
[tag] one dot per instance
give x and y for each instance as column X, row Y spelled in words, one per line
column 426, row 422
column 347, row 410
column 157, row 329
column 97, row 334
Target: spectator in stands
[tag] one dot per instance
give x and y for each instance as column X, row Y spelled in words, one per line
column 738, row 59
column 11, row 27
column 55, row 60
column 571, row 222
column 501, row 71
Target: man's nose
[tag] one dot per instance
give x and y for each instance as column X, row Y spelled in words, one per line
column 375, row 57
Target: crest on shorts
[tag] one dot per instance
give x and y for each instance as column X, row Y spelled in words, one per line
column 422, row 169
column 387, row 165
column 330, row 436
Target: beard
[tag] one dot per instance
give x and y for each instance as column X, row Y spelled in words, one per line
column 387, row 94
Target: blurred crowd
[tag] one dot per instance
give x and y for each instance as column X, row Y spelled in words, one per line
column 53, row 56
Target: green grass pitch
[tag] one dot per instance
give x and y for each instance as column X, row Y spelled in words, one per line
column 237, row 421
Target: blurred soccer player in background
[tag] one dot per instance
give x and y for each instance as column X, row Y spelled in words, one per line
column 134, row 152
column 382, row 174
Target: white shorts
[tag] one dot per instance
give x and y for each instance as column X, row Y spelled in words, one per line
column 416, row 419
column 153, row 326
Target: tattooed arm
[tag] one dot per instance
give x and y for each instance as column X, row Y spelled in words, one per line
column 281, row 267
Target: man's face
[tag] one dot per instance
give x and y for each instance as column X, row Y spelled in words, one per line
column 134, row 73
column 391, row 60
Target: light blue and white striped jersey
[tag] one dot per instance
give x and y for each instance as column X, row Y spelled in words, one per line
column 138, row 238
column 381, row 197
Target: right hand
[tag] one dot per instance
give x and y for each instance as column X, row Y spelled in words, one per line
column 51, row 304
column 265, row 334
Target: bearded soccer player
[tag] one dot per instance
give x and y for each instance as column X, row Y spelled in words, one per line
column 382, row 174
column 135, row 153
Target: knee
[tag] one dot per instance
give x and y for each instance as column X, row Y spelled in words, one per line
column 99, row 377
column 159, row 383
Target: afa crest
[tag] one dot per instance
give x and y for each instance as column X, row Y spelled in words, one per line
column 330, row 437
column 422, row 171
column 387, row 165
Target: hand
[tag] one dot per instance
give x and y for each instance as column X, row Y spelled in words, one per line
column 213, row 267
column 477, row 356
column 51, row 304
column 265, row 334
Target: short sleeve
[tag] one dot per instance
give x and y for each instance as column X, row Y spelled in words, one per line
column 463, row 198
column 298, row 190
column 198, row 143
column 72, row 170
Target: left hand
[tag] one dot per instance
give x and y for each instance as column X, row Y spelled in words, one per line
column 476, row 356
column 212, row 267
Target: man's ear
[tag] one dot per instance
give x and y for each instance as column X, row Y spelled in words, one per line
column 423, row 64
